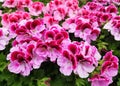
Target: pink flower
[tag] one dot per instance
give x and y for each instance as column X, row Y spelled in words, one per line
column 110, row 65
column 112, row 9
column 10, row 3
column 67, row 60
column 65, row 68
column 24, row 57
column 86, row 30
column 17, row 3
column 56, row 33
column 88, row 50
column 20, row 39
column 87, row 60
column 54, row 38
column 5, row 20
column 23, row 3
column 52, row 6
column 36, row 8
column 84, row 68
column 110, row 57
column 42, row 49
column 117, row 2
column 33, row 28
column 15, row 17
column 105, row 17
column 1, row 33
column 49, row 20
column 61, row 8
column 59, row 14
column 72, row 7
column 92, row 6
column 19, row 63
column 99, row 80
column 54, row 51
column 37, row 58
column 3, row 42
column 113, row 27
column 85, row 25
column 99, row 12
column 104, row 2
column 22, row 68
column 70, row 25
column 67, row 63
column 4, row 39
column 49, row 35
column 109, row 68
column 78, row 57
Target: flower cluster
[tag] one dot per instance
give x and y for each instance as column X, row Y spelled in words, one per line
column 62, row 8
column 83, row 28
column 79, row 57
column 41, row 34
column 4, row 39
column 113, row 27
column 34, row 44
column 88, row 20
column 108, row 70
column 105, row 2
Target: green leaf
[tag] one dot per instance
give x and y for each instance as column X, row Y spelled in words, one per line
column 118, row 83
column 80, row 82
column 41, row 82
column 2, row 66
column 3, row 63
column 119, row 10
column 2, row 57
column 57, row 82
column 102, row 45
column 17, row 83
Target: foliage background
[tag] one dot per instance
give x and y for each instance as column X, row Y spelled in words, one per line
column 49, row 73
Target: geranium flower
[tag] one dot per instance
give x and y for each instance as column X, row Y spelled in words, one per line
column 36, row 8
column 98, row 80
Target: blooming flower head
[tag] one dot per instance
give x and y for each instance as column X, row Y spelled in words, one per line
column 49, row 20
column 23, row 58
column 10, row 3
column 20, row 5
column 68, row 61
column 23, row 3
column 83, row 28
column 4, row 39
column 117, row 2
column 113, row 27
column 87, row 59
column 105, row 2
column 62, row 8
column 36, row 8
column 19, row 62
column 75, row 58
column 15, row 17
column 108, row 69
column 55, row 38
column 110, row 65
column 98, row 80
